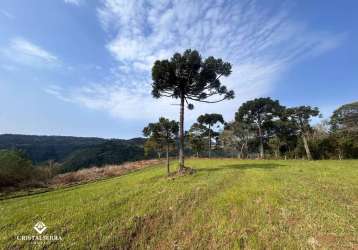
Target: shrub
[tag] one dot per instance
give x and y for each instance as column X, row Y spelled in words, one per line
column 15, row 168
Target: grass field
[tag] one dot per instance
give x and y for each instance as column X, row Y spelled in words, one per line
column 226, row 204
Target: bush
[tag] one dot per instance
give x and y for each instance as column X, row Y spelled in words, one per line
column 15, row 168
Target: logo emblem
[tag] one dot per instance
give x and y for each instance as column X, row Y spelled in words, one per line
column 40, row 227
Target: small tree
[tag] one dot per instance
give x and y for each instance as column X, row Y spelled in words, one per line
column 238, row 135
column 259, row 113
column 153, row 145
column 163, row 132
column 15, row 168
column 275, row 144
column 301, row 116
column 228, row 141
column 209, row 120
column 197, row 133
column 284, row 136
column 188, row 77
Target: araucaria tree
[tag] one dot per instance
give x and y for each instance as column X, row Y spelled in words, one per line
column 301, row 116
column 259, row 114
column 188, row 77
column 163, row 133
column 209, row 120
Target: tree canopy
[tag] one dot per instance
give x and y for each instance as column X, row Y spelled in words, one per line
column 15, row 167
column 197, row 134
column 301, row 116
column 162, row 133
column 259, row 114
column 345, row 118
column 189, row 78
column 210, row 120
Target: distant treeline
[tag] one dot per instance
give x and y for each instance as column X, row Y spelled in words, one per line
column 263, row 128
column 29, row 161
column 74, row 152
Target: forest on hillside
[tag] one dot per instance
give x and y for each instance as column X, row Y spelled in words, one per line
column 73, row 152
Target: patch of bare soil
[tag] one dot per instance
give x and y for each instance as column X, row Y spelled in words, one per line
column 331, row 241
column 182, row 172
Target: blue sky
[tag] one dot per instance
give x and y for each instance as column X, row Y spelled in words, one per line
column 82, row 67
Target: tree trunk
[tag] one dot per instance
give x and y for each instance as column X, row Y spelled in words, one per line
column 242, row 151
column 277, row 152
column 261, row 143
column 197, row 154
column 181, row 134
column 308, row 152
column 340, row 153
column 168, row 170
column 209, row 141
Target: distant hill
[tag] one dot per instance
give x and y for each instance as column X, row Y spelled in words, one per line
column 75, row 152
column 108, row 152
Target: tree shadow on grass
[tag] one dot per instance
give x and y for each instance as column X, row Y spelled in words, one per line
column 244, row 166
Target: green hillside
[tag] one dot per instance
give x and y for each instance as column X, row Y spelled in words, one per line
column 43, row 148
column 75, row 152
column 226, row 204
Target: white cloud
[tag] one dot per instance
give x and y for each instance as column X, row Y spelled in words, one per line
column 7, row 14
column 58, row 92
column 74, row 2
column 25, row 47
column 22, row 51
column 260, row 43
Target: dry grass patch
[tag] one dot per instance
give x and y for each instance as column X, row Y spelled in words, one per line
column 96, row 173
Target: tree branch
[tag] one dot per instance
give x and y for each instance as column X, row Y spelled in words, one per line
column 198, row 100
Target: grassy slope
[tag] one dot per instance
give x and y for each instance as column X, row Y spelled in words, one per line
column 226, row 204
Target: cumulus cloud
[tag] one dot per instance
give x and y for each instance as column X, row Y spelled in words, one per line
column 260, row 42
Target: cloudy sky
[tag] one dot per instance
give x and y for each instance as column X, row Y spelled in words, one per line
column 82, row 67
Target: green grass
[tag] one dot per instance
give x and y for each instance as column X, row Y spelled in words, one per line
column 226, row 204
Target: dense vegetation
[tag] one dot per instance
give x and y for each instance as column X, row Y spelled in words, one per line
column 14, row 168
column 263, row 128
column 27, row 160
column 226, row 204
column 43, row 148
column 68, row 149
column 109, row 152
